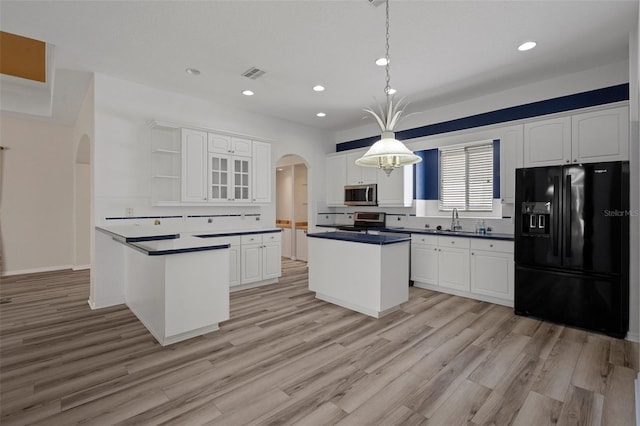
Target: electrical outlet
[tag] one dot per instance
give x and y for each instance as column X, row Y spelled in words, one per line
column 129, row 211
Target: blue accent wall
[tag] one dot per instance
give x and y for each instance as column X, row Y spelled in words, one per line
column 550, row 106
column 426, row 175
column 496, row 168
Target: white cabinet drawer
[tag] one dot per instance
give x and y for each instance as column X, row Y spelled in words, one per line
column 272, row 237
column 453, row 242
column 492, row 245
column 251, row 239
column 231, row 240
column 424, row 239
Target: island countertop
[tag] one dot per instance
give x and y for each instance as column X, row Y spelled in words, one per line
column 362, row 238
column 430, row 231
column 155, row 241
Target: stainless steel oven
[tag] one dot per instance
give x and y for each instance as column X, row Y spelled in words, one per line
column 361, row 195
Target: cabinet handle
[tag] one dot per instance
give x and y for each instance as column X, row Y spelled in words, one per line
column 567, row 161
column 439, row 249
column 575, row 160
column 490, row 245
column 472, row 253
column 453, row 242
column 435, row 249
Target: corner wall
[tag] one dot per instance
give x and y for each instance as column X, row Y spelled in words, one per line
column 36, row 217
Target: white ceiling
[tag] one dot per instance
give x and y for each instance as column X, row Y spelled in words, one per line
column 441, row 51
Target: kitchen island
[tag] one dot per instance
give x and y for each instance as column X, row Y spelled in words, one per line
column 363, row 272
column 177, row 285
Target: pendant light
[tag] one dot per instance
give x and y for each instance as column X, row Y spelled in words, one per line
column 388, row 153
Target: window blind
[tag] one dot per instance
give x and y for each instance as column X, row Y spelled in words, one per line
column 466, row 178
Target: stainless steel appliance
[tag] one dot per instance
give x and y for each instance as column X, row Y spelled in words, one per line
column 361, row 195
column 366, row 221
column 572, row 245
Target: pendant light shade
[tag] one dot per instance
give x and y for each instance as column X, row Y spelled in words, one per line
column 388, row 153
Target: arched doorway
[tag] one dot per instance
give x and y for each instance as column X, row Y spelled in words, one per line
column 292, row 205
column 82, row 205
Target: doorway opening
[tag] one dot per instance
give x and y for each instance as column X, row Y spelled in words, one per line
column 292, row 205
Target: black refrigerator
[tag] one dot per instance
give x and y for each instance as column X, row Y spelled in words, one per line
column 572, row 245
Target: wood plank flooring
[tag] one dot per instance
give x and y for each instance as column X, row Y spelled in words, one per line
column 285, row 357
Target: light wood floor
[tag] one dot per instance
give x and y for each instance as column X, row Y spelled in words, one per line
column 287, row 358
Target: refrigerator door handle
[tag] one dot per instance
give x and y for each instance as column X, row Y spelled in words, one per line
column 555, row 228
column 567, row 215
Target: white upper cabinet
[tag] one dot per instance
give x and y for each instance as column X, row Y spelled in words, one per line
column 241, row 147
column 223, row 144
column 194, row 148
column 600, row 136
column 336, row 178
column 589, row 137
column 395, row 190
column 547, row 142
column 220, row 144
column 357, row 175
column 261, row 183
column 511, row 158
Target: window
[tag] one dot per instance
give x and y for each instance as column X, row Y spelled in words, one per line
column 466, row 178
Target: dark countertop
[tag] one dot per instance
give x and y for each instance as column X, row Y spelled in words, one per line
column 463, row 234
column 155, row 242
column 361, row 238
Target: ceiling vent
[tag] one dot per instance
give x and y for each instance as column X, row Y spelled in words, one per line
column 253, row 73
column 376, row 2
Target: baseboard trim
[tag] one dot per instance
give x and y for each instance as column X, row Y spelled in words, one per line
column 36, row 270
column 638, row 399
column 633, row 337
column 81, row 267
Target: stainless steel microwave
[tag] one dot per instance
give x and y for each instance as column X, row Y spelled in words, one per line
column 361, row 195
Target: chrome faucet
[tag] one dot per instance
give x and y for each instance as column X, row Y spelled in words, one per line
column 455, row 220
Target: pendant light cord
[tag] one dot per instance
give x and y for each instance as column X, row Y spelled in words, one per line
column 388, row 86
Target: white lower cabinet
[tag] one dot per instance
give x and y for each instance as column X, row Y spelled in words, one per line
column 260, row 259
column 234, row 264
column 286, row 242
column 492, row 268
column 424, row 260
column 471, row 267
column 453, row 263
column 301, row 245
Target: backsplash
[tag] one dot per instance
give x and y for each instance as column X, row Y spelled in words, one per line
column 410, row 220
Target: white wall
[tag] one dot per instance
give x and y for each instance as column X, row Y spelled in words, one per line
column 596, row 78
column 36, row 216
column 122, row 146
column 82, row 217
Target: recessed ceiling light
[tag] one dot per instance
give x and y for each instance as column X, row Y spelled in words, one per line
column 318, row 88
column 192, row 71
column 321, row 114
column 528, row 45
column 247, row 92
column 381, row 62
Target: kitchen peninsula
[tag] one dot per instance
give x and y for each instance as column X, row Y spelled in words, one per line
column 366, row 273
column 176, row 283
